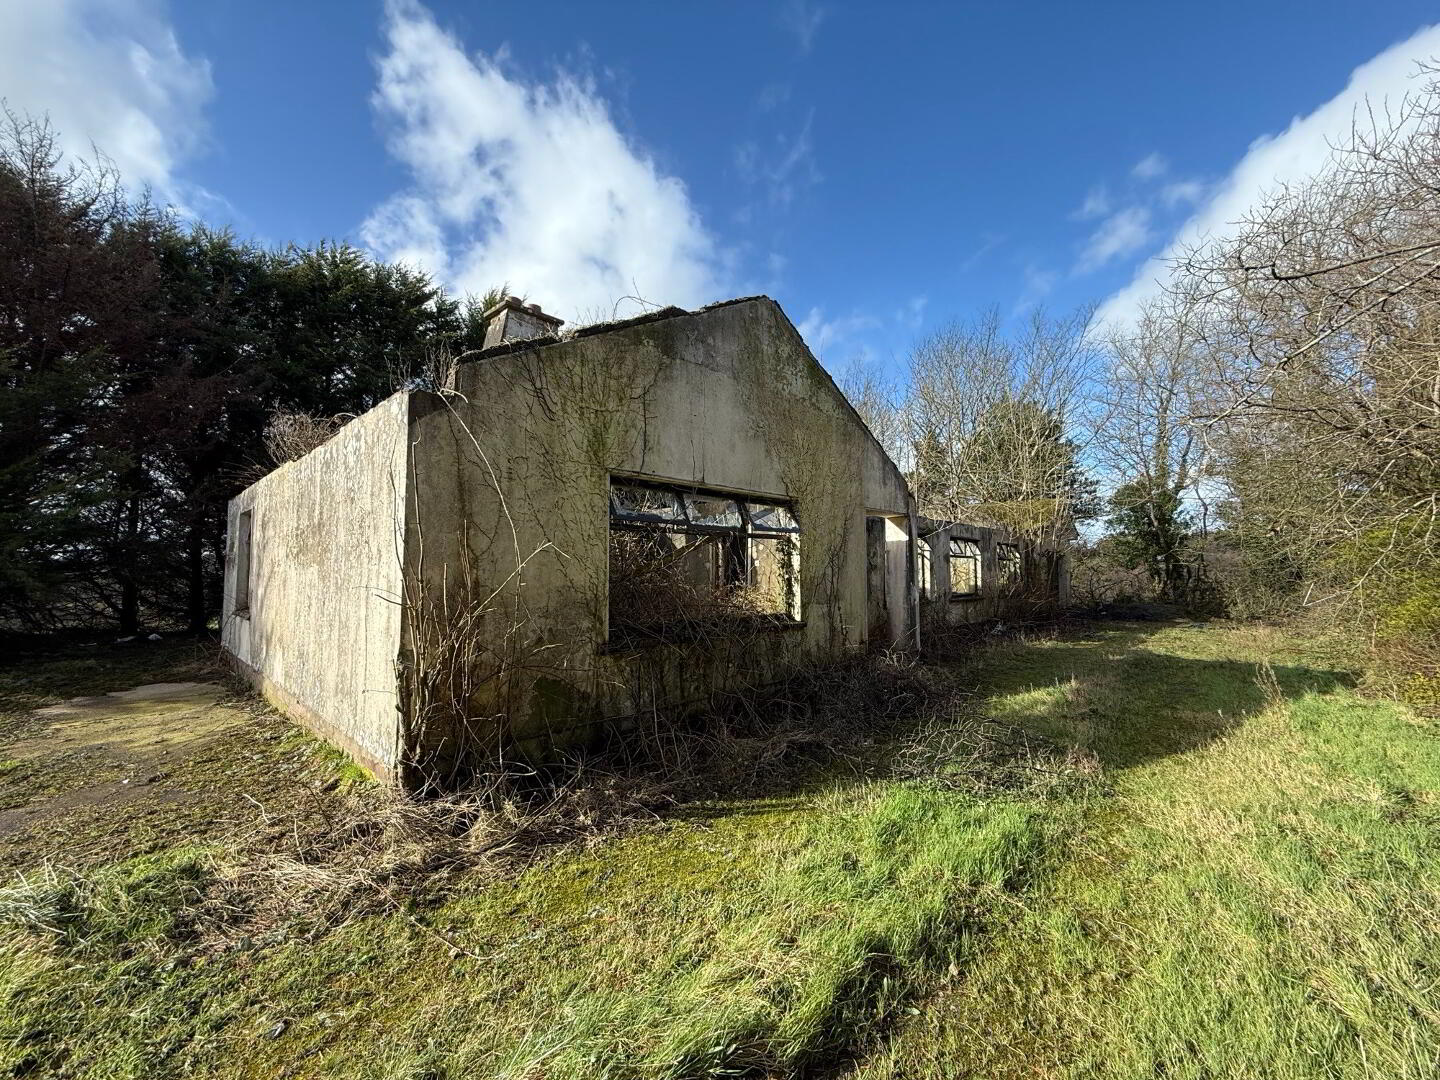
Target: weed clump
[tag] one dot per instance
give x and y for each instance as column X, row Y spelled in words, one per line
column 118, row 907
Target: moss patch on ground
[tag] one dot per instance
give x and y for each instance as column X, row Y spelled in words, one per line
column 115, row 774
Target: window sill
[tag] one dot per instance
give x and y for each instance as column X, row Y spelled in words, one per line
column 636, row 640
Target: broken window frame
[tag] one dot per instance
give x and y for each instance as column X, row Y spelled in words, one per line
column 1011, row 565
column 958, row 552
column 756, row 518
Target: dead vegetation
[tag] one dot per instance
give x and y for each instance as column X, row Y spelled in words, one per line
column 291, row 434
column 376, row 849
column 338, row 855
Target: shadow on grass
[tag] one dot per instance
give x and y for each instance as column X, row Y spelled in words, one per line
column 1107, row 691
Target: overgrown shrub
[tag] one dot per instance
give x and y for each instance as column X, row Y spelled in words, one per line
column 1395, row 600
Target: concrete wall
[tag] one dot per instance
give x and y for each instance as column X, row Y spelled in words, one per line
column 322, row 632
column 1043, row 588
column 511, row 486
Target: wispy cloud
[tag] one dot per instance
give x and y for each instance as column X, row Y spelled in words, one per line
column 784, row 168
column 911, row 314
column 802, row 19
column 1182, row 192
column 1149, row 167
column 852, row 338
column 1038, row 282
column 112, row 76
column 773, row 95
column 835, row 339
column 1298, row 152
column 1096, row 204
column 1121, row 234
column 988, row 244
column 526, row 182
column 1127, row 212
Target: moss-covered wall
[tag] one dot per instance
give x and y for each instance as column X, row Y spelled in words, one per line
column 508, row 505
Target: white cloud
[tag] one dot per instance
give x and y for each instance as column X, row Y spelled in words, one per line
column 1096, row 204
column 406, row 229
column 1120, row 234
column 110, row 74
column 1149, row 167
column 527, row 183
column 802, row 19
column 1300, row 151
column 1182, row 191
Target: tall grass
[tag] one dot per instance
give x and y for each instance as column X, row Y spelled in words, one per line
column 881, row 886
column 1264, row 904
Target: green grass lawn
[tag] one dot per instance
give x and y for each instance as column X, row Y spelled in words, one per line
column 1258, row 894
column 1235, row 876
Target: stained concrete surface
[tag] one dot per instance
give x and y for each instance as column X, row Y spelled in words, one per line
column 142, row 768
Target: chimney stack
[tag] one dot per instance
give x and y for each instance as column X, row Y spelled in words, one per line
column 513, row 320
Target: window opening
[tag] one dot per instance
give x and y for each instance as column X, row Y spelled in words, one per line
column 964, row 568
column 683, row 557
column 1010, row 564
column 243, row 529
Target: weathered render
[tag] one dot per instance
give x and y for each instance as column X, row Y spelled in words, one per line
column 511, row 487
column 479, row 519
column 320, row 629
column 575, row 532
column 974, row 573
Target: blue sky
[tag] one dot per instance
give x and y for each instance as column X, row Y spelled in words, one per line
column 879, row 169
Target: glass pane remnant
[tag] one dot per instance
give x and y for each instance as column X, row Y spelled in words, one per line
column 713, row 511
column 767, row 517
column 964, row 567
column 774, row 585
column 1009, row 556
column 684, row 561
column 646, row 503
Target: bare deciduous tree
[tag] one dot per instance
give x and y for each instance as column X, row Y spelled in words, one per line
column 1321, row 336
column 1146, row 443
column 993, row 420
column 881, row 405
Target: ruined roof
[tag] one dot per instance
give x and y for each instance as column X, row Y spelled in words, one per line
column 606, row 327
column 596, row 329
